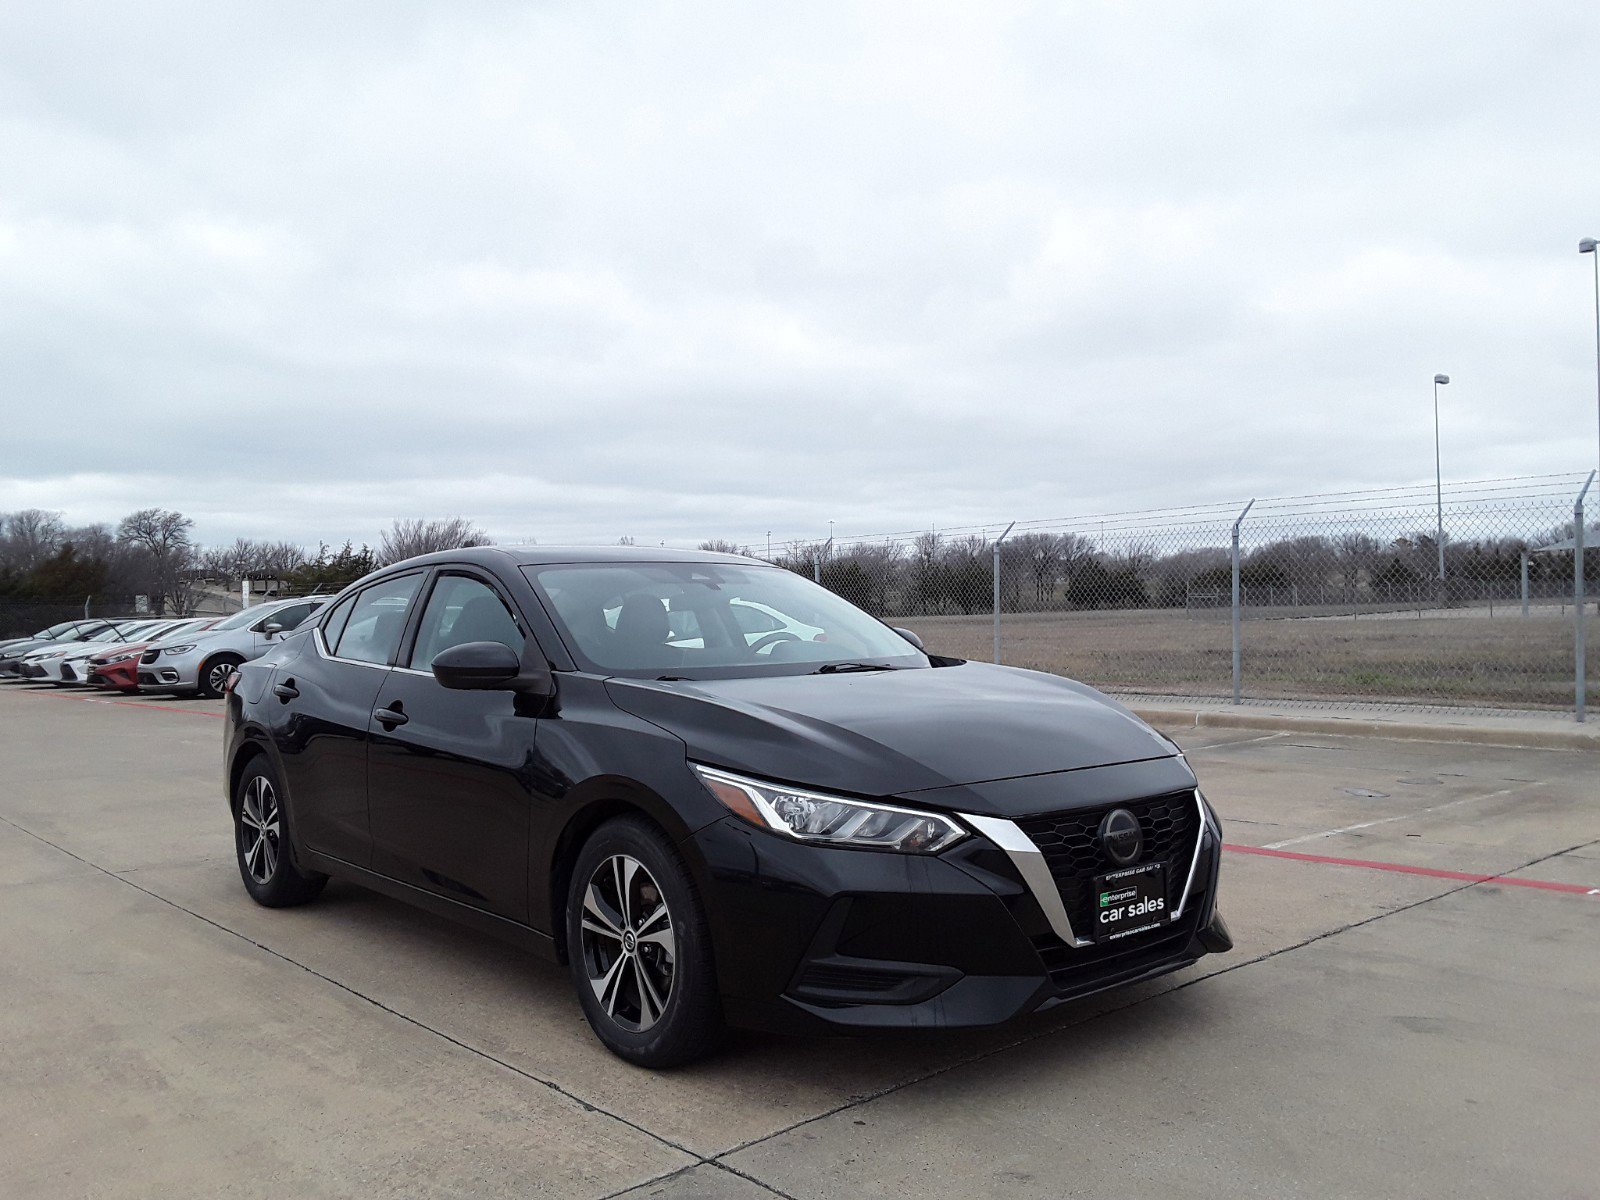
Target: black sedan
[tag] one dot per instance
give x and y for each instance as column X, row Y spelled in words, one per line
column 720, row 794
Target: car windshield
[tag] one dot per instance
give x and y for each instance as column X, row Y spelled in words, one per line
column 245, row 616
column 710, row 620
column 115, row 633
column 55, row 631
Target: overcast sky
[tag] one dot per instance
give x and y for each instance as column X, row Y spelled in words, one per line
column 675, row 271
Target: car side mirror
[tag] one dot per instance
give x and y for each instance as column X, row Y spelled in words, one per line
column 491, row 667
column 909, row 636
column 272, row 630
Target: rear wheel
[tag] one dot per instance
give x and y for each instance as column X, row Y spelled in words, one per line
column 640, row 949
column 266, row 855
column 214, row 672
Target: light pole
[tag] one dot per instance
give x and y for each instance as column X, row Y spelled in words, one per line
column 1587, row 246
column 1438, row 479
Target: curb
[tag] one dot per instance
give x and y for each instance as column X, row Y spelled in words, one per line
column 1575, row 738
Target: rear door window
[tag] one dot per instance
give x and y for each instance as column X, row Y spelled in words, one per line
column 377, row 620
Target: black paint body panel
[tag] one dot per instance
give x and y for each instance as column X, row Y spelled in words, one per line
column 476, row 804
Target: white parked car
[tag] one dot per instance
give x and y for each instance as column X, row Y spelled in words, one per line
column 43, row 665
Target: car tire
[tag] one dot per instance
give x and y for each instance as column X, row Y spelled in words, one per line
column 642, row 967
column 213, row 674
column 267, row 861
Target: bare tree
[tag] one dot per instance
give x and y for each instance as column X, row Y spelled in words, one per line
column 164, row 534
column 1354, row 553
column 1077, row 552
column 29, row 537
column 723, row 546
column 407, row 539
column 1041, row 554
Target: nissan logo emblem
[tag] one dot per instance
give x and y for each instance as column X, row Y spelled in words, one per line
column 1121, row 838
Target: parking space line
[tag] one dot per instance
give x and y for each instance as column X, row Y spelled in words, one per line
column 1328, row 833
column 1548, row 885
column 1223, row 745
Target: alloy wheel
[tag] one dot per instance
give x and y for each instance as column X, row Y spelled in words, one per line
column 629, row 947
column 259, row 836
column 217, row 677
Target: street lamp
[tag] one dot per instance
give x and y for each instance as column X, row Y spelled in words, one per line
column 1438, row 479
column 1587, row 246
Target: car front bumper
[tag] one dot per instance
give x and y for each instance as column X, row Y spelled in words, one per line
column 171, row 674
column 810, row 938
column 123, row 676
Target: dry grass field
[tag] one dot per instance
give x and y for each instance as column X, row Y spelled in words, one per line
column 1504, row 661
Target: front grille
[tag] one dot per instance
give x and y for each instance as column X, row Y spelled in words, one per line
column 150, row 656
column 1070, row 844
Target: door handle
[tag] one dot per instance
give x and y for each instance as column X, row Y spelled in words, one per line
column 390, row 718
column 285, row 691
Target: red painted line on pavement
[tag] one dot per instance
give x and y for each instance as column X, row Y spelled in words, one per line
column 166, row 708
column 1547, row 885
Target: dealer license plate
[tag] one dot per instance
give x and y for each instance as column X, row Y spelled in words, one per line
column 1130, row 901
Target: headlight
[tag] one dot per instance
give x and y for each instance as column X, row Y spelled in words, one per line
column 810, row 816
column 176, row 649
column 119, row 658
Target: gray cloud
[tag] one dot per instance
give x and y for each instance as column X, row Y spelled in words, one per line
column 585, row 270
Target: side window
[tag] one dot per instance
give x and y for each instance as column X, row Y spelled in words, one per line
column 290, row 615
column 683, row 624
column 377, row 619
column 333, row 627
column 460, row 610
column 753, row 620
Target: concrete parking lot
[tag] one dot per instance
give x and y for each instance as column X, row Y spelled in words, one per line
column 1391, row 1025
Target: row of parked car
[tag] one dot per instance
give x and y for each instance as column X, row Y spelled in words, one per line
column 192, row 655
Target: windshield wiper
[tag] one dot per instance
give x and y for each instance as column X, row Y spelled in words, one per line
column 839, row 668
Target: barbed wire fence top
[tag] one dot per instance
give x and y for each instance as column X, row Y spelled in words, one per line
column 1346, row 596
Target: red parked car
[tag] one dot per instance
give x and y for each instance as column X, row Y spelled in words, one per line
column 118, row 668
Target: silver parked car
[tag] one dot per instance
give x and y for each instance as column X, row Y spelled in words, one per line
column 202, row 662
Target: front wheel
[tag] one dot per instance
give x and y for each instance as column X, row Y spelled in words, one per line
column 214, row 672
column 266, row 855
column 640, row 948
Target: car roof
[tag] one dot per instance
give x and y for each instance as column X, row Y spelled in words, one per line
column 540, row 556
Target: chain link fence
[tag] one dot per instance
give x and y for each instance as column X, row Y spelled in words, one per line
column 1396, row 596
column 22, row 617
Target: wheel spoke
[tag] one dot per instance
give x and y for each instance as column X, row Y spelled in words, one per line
column 664, row 939
column 270, row 855
column 625, row 868
column 605, row 931
column 607, row 987
column 649, row 998
column 656, row 914
column 595, row 905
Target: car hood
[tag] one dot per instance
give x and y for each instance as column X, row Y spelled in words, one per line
column 105, row 651
column 188, row 639
column 890, row 732
column 28, row 645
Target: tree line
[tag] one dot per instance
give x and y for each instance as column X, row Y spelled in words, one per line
column 152, row 553
column 933, row 574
